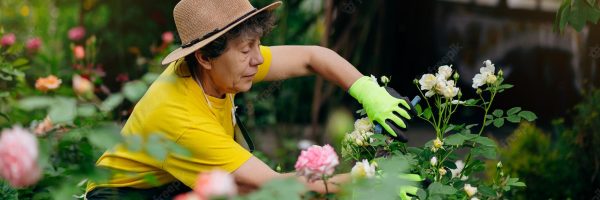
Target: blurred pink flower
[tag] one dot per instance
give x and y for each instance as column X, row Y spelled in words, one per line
column 8, row 39
column 33, row 44
column 316, row 162
column 18, row 157
column 43, row 127
column 216, row 183
column 188, row 196
column 79, row 52
column 77, row 33
column 167, row 37
column 82, row 85
column 48, row 83
column 122, row 78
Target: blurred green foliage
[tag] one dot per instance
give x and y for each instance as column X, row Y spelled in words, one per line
column 563, row 164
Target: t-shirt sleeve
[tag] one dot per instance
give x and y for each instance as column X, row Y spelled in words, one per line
column 263, row 69
column 210, row 149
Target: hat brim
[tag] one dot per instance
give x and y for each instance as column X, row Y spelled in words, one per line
column 182, row 52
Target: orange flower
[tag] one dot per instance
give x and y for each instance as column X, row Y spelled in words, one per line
column 79, row 52
column 43, row 127
column 47, row 83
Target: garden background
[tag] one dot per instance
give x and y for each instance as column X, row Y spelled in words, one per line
column 551, row 55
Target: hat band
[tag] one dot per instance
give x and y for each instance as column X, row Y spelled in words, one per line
column 189, row 44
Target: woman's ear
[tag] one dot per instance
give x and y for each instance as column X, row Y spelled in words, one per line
column 203, row 61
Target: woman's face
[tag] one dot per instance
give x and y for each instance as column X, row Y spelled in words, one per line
column 234, row 70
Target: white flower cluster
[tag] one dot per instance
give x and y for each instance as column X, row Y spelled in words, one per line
column 363, row 169
column 486, row 75
column 460, row 165
column 363, row 129
column 439, row 83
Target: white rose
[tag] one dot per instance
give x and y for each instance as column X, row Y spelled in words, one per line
column 363, row 125
column 479, row 80
column 460, row 165
column 429, row 93
column 363, row 170
column 470, row 190
column 447, row 89
column 445, row 71
column 433, row 161
column 489, row 65
column 427, row 81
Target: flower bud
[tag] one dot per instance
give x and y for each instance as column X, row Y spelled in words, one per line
column 456, row 75
column 499, row 165
column 442, row 171
column 501, row 73
column 433, row 161
column 459, row 94
column 385, row 80
column 479, row 91
column 416, row 81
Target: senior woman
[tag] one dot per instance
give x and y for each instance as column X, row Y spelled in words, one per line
column 191, row 103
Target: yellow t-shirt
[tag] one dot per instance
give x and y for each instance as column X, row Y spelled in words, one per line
column 175, row 107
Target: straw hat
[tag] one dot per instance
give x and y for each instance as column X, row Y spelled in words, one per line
column 199, row 22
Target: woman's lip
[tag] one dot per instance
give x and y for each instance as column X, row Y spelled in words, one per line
column 251, row 75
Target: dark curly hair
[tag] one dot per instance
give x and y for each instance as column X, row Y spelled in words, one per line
column 259, row 24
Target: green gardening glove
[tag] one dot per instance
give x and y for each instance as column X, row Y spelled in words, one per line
column 405, row 190
column 381, row 107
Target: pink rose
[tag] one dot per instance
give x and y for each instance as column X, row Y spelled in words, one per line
column 33, row 45
column 79, row 52
column 8, row 39
column 82, row 85
column 18, row 157
column 216, row 183
column 316, row 162
column 167, row 37
column 188, row 196
column 77, row 33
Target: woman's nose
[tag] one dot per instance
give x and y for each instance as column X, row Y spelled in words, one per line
column 257, row 58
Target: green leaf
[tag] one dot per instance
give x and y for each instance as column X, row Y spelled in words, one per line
column 178, row 149
column 111, row 102
column 427, row 113
column 156, row 147
column 379, row 140
column 498, row 113
column 498, row 122
column 32, row 103
column 418, row 109
column 105, row 136
column 505, row 86
column 63, row 110
column 514, row 118
column 488, row 122
column 454, row 140
column 439, row 188
column 486, row 191
column 134, row 90
column 485, row 151
column 421, row 194
column 86, row 110
column 151, row 179
column 485, row 141
column 133, row 142
column 515, row 182
column 149, row 78
column 489, row 117
column 513, row 111
column 19, row 62
column 471, row 102
column 528, row 115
